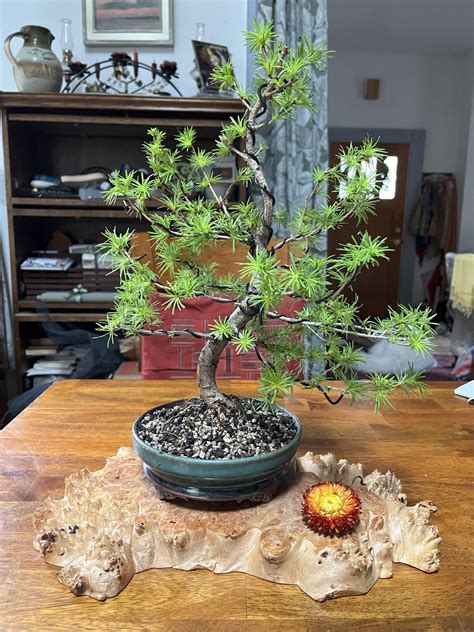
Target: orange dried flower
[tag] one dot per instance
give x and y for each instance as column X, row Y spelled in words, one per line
column 331, row 508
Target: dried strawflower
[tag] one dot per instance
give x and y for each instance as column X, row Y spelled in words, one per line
column 331, row 508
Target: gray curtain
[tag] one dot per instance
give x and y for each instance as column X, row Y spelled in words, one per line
column 296, row 146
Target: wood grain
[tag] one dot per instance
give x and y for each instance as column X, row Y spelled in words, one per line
column 75, row 424
column 21, row 101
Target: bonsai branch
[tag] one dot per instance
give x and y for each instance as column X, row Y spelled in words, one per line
column 132, row 207
column 357, row 330
column 221, row 201
column 171, row 333
column 165, row 290
column 334, row 294
column 261, row 358
column 298, row 237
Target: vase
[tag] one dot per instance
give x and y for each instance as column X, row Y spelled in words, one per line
column 253, row 478
column 35, row 67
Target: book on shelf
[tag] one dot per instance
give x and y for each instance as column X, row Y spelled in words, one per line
column 42, row 371
column 47, row 264
column 80, row 249
column 83, row 178
column 34, row 352
column 41, row 347
column 56, row 361
column 45, row 348
column 59, row 365
column 52, row 368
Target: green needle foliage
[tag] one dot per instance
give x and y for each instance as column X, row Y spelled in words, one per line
column 187, row 224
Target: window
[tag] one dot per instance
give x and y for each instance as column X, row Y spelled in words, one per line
column 387, row 171
column 389, row 186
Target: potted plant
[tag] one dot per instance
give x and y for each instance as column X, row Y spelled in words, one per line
column 216, row 446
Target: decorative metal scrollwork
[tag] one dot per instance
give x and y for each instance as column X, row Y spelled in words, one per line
column 127, row 76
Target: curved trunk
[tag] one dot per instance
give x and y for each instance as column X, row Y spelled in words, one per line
column 212, row 351
column 206, row 370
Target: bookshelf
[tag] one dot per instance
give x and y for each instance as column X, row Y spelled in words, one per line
column 57, row 134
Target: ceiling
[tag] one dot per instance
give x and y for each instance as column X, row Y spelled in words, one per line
column 401, row 26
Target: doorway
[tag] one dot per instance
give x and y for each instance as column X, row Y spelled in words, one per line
column 390, row 283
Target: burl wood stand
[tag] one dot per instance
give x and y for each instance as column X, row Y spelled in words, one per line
column 111, row 524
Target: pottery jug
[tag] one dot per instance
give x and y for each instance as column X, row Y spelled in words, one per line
column 35, row 68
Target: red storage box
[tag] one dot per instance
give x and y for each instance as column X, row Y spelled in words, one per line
column 175, row 358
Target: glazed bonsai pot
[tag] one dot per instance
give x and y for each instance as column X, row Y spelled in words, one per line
column 254, row 477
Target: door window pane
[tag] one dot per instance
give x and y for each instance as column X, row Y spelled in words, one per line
column 389, row 186
column 388, row 172
column 369, row 167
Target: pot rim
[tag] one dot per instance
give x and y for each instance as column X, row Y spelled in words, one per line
column 213, row 462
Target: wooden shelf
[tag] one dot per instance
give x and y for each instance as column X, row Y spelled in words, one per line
column 26, row 206
column 71, row 119
column 67, row 202
column 113, row 212
column 63, row 133
column 26, row 303
column 79, row 317
column 127, row 105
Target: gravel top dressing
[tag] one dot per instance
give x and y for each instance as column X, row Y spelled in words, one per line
column 243, row 428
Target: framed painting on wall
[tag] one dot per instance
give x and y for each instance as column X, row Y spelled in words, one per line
column 134, row 22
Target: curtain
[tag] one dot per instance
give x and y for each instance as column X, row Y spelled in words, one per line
column 298, row 145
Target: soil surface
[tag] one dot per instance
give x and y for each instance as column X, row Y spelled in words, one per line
column 235, row 430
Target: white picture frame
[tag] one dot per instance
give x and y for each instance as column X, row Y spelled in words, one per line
column 102, row 25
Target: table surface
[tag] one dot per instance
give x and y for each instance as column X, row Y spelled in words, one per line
column 77, row 424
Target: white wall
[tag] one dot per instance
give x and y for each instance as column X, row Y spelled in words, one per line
column 431, row 92
column 417, row 91
column 465, row 95
column 225, row 20
column 466, row 231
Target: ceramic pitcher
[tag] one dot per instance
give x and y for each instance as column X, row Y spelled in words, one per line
column 36, row 68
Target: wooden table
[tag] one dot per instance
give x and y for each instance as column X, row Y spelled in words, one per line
column 77, row 424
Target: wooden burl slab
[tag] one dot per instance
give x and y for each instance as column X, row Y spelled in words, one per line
column 111, row 524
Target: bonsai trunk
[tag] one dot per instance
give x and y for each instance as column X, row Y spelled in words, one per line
column 212, row 351
column 206, row 370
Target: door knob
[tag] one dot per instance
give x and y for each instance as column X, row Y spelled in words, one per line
column 397, row 230
column 396, row 242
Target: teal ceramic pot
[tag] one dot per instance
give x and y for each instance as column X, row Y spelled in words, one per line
column 253, row 477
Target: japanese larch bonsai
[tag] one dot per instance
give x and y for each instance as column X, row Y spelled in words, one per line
column 190, row 223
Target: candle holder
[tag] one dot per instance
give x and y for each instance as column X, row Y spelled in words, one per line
column 122, row 74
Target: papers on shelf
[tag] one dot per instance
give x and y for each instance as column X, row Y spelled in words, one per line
column 62, row 362
column 53, row 264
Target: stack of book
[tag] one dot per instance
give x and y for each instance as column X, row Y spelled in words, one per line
column 52, row 362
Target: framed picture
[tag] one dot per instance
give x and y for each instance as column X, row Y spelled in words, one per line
column 133, row 22
column 209, row 56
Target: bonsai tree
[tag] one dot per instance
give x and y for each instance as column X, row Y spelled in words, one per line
column 189, row 223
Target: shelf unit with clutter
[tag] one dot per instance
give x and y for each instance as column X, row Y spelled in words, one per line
column 57, row 134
